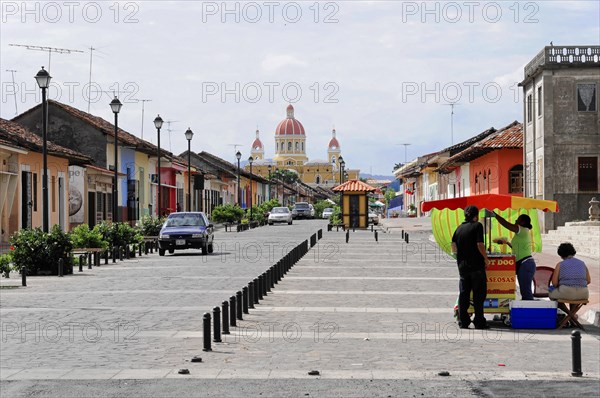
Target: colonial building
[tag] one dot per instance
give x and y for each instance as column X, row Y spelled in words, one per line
column 290, row 154
column 562, row 129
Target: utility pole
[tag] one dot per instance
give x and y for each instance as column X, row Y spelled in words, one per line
column 143, row 101
column 452, row 105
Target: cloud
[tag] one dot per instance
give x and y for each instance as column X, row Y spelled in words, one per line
column 273, row 62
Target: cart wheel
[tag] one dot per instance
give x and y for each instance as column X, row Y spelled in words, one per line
column 507, row 321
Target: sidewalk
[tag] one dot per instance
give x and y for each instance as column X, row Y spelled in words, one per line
column 548, row 257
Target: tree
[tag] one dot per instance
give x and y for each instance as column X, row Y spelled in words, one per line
column 287, row 176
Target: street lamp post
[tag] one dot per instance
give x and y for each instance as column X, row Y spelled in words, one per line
column 189, row 134
column 342, row 164
column 238, row 156
column 270, row 168
column 250, row 160
column 158, row 122
column 115, row 106
column 43, row 81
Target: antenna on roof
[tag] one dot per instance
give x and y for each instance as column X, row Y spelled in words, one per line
column 169, row 131
column 49, row 49
column 90, row 79
column 452, row 105
column 143, row 101
column 12, row 71
column 405, row 145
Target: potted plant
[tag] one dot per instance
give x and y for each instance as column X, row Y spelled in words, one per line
column 412, row 210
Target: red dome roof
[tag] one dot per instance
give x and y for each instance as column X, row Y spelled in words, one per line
column 333, row 143
column 289, row 125
column 257, row 144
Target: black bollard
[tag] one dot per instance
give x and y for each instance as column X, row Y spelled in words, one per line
column 81, row 263
column 238, row 302
column 371, row 227
column 217, row 325
column 120, row 249
column 347, row 236
column 256, row 290
column 232, row 311
column 106, row 257
column 261, row 289
column 576, row 353
column 268, row 280
column 140, row 250
column 406, row 238
column 376, row 236
column 265, row 282
column 89, row 259
column 320, row 234
column 225, row 306
column 251, row 295
column 245, row 301
column 114, row 255
column 329, row 227
column 60, row 266
column 402, row 234
column 273, row 277
column 23, row 276
column 206, row 331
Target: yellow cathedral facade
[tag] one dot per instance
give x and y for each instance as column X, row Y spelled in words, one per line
column 290, row 154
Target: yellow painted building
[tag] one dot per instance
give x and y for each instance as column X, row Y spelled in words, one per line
column 290, row 154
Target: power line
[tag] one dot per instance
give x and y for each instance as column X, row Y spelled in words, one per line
column 169, row 131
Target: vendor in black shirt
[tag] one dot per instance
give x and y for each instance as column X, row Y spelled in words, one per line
column 471, row 257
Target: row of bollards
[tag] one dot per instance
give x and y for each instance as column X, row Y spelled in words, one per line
column 239, row 304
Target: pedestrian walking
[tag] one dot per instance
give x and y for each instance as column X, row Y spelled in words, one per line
column 472, row 261
column 521, row 248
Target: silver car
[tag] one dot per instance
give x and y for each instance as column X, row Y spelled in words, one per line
column 373, row 218
column 280, row 215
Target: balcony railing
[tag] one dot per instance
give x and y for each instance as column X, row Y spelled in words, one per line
column 560, row 55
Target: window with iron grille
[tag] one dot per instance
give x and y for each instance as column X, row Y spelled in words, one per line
column 515, row 179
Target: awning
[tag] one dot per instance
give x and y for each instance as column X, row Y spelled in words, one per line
column 491, row 202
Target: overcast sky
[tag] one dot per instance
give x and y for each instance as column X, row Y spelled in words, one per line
column 381, row 72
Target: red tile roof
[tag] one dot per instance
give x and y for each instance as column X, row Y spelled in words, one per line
column 354, row 186
column 509, row 137
column 19, row 135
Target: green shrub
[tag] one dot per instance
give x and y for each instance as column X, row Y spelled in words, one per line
column 5, row 266
column 119, row 234
column 59, row 244
column 336, row 217
column 227, row 214
column 150, row 226
column 36, row 250
column 320, row 206
column 84, row 237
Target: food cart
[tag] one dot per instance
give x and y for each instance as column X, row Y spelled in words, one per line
column 447, row 215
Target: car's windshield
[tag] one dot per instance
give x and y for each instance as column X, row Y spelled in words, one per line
column 185, row 220
column 302, row 205
column 280, row 210
column 328, row 210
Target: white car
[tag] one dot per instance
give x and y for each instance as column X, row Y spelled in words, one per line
column 327, row 212
column 280, row 215
column 373, row 218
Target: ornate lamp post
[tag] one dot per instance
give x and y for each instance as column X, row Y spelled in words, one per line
column 43, row 81
column 250, row 160
column 238, row 156
column 115, row 106
column 270, row 168
column 158, row 122
column 342, row 164
column 189, row 134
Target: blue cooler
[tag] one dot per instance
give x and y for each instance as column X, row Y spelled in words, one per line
column 533, row 314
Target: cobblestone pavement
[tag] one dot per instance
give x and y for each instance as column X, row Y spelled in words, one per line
column 374, row 318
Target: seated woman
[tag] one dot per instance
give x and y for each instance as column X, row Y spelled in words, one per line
column 570, row 278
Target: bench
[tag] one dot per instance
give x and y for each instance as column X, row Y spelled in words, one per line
column 571, row 311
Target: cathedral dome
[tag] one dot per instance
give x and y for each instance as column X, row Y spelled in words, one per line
column 289, row 125
column 333, row 143
column 257, row 145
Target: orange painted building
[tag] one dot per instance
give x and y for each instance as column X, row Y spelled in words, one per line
column 495, row 163
column 21, row 182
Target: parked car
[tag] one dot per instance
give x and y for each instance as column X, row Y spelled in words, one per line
column 327, row 212
column 373, row 218
column 280, row 215
column 186, row 230
column 303, row 210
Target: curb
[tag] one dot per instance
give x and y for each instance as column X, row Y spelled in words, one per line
column 592, row 316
